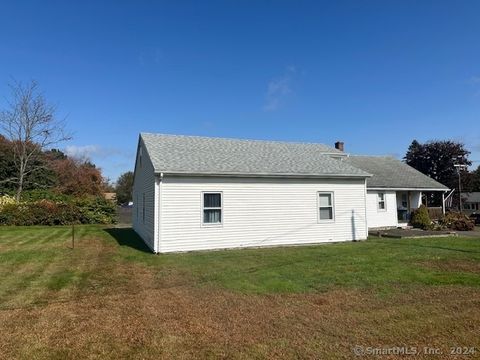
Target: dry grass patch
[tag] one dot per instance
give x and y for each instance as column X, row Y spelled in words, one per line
column 109, row 299
column 453, row 265
column 187, row 322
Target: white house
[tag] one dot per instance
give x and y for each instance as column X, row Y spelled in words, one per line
column 199, row 193
column 471, row 202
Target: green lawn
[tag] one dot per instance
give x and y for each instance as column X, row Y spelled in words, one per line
column 110, row 297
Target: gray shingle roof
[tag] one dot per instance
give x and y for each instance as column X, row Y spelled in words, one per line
column 471, row 197
column 389, row 172
column 205, row 155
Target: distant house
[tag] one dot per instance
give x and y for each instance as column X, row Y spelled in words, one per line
column 471, row 202
column 199, row 193
column 111, row 196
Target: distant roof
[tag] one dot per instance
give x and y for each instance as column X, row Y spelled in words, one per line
column 207, row 155
column 472, row 197
column 389, row 172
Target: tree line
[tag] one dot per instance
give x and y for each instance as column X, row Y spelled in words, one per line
column 30, row 131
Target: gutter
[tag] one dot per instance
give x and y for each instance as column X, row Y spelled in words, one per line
column 407, row 189
column 267, row 175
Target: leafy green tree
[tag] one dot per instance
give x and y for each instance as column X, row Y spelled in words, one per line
column 124, row 187
column 471, row 182
column 7, row 166
column 437, row 159
column 42, row 178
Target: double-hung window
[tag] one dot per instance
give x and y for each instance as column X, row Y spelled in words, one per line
column 382, row 203
column 326, row 210
column 212, row 208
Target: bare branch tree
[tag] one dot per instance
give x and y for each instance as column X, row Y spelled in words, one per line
column 29, row 122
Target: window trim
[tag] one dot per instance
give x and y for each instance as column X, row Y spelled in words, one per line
column 384, row 201
column 332, row 194
column 202, row 209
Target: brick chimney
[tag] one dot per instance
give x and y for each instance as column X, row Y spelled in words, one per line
column 339, row 145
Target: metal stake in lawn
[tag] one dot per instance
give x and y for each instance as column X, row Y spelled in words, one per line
column 73, row 236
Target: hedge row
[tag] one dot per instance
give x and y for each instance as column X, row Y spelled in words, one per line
column 87, row 210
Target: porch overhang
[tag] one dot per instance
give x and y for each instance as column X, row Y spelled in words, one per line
column 405, row 189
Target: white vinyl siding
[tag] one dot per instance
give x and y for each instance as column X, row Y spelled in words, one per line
column 144, row 195
column 259, row 212
column 378, row 218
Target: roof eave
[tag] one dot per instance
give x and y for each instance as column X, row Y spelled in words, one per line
column 405, row 188
column 265, row 175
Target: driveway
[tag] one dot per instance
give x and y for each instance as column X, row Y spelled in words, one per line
column 473, row 233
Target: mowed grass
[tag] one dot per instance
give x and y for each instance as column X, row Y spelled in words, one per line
column 109, row 297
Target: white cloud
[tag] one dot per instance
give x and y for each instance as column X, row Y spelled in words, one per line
column 150, row 56
column 278, row 89
column 91, row 151
column 475, row 79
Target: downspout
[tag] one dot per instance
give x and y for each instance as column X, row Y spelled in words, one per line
column 366, row 212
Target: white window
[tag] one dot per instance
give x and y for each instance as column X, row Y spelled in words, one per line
column 326, row 209
column 382, row 203
column 212, row 208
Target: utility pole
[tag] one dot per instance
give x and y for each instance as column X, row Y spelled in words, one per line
column 460, row 167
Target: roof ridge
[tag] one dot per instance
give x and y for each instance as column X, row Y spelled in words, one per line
column 245, row 140
column 376, row 156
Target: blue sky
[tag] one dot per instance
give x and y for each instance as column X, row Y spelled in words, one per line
column 375, row 74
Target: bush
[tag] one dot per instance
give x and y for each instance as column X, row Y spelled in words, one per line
column 6, row 200
column 95, row 210
column 45, row 194
column 421, row 219
column 458, row 221
column 88, row 210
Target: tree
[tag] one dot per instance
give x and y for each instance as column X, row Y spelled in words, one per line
column 7, row 166
column 471, row 182
column 437, row 159
column 77, row 177
column 124, row 187
column 30, row 123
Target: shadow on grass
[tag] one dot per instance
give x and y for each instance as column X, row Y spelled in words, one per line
column 399, row 242
column 128, row 237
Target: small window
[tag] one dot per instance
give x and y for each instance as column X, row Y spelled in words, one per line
column 325, row 206
column 212, row 208
column 382, row 205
